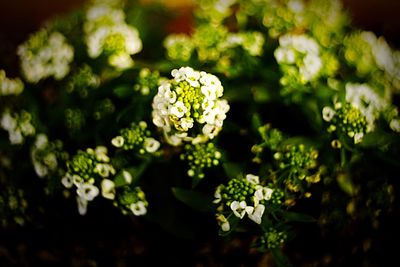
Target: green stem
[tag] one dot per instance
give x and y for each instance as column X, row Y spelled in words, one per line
column 342, row 157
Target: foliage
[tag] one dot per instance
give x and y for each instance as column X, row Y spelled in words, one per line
column 263, row 105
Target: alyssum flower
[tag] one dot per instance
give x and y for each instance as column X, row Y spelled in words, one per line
column 188, row 108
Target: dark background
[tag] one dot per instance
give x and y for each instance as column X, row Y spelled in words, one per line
column 105, row 238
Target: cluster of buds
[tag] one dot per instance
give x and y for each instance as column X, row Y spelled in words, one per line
column 298, row 162
column 137, row 137
column 273, row 238
column 147, row 81
column 199, row 157
column 85, row 170
column 132, row 200
column 347, row 120
column 240, row 197
column 189, row 108
column 82, row 81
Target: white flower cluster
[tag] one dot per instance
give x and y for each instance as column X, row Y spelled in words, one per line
column 10, row 86
column 189, row 108
column 17, row 125
column 240, row 207
column 44, row 160
column 252, row 42
column 86, row 189
column 301, row 51
column 45, row 54
column 366, row 100
column 107, row 32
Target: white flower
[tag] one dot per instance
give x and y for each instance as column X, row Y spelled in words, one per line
column 8, row 122
column 395, row 125
column 223, row 222
column 328, row 113
column 101, row 154
column 253, row 179
column 186, row 123
column 108, row 189
column 312, row 65
column 77, row 180
column 151, row 145
column 41, row 141
column 120, row 61
column 217, row 195
column 358, row 137
column 263, row 193
column 256, row 214
column 67, row 180
column 87, row 191
column 239, row 208
column 178, row 109
column 82, row 205
column 138, row 208
column 127, row 176
column 16, row 137
column 117, row 141
column 104, row 169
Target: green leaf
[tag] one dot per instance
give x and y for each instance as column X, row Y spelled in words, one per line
column 345, row 183
column 280, row 258
column 291, row 216
column 256, row 121
column 123, row 91
column 193, row 199
column 232, row 170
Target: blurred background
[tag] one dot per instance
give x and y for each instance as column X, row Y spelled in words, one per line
column 75, row 241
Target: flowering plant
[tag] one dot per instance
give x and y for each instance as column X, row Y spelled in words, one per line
column 265, row 116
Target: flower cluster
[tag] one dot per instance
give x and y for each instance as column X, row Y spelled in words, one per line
column 189, row 108
column 215, row 44
column 200, row 157
column 13, row 206
column 45, row 54
column 273, row 238
column 82, row 81
column 136, row 137
column 132, row 200
column 106, row 32
column 241, row 197
column 147, row 81
column 367, row 53
column 281, row 17
column 74, row 119
column 296, row 166
column 346, row 120
column 299, row 163
column 18, row 125
column 10, row 86
column 86, row 169
column 370, row 104
column 46, row 155
column 179, row 47
column 298, row 56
